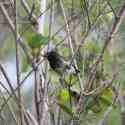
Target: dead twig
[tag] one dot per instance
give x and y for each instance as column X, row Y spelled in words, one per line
column 115, row 26
column 20, row 40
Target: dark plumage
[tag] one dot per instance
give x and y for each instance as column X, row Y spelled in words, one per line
column 58, row 63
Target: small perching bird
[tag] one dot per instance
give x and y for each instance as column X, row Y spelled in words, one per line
column 59, row 65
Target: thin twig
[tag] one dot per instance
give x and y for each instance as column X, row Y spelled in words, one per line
column 70, row 43
column 18, row 65
column 87, row 13
column 109, row 4
column 28, row 10
column 59, row 116
column 21, row 83
column 22, row 44
column 106, row 113
column 2, row 117
column 9, row 107
column 8, row 81
column 44, row 67
column 113, row 29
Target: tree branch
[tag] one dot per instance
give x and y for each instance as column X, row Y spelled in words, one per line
column 20, row 40
column 114, row 28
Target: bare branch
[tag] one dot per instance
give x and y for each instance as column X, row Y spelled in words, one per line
column 70, row 43
column 8, row 81
column 22, row 44
column 28, row 10
column 18, row 65
column 108, row 2
column 113, row 29
column 9, row 107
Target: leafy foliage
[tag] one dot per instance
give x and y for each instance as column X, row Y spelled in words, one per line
column 24, row 63
column 63, row 95
column 36, row 40
column 94, row 18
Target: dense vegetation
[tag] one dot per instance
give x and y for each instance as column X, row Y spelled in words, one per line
column 87, row 33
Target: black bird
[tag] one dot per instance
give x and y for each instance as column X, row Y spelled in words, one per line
column 59, row 65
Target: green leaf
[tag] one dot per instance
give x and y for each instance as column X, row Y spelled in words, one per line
column 91, row 45
column 106, row 57
column 24, row 63
column 36, row 40
column 114, row 117
column 96, row 108
column 106, row 93
column 65, row 52
column 63, row 95
column 88, row 45
column 88, row 103
column 92, row 103
column 121, row 75
column 105, row 101
column 66, row 109
column 106, row 97
column 56, row 39
column 68, row 3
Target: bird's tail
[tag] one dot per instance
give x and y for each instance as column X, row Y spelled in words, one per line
column 72, row 69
